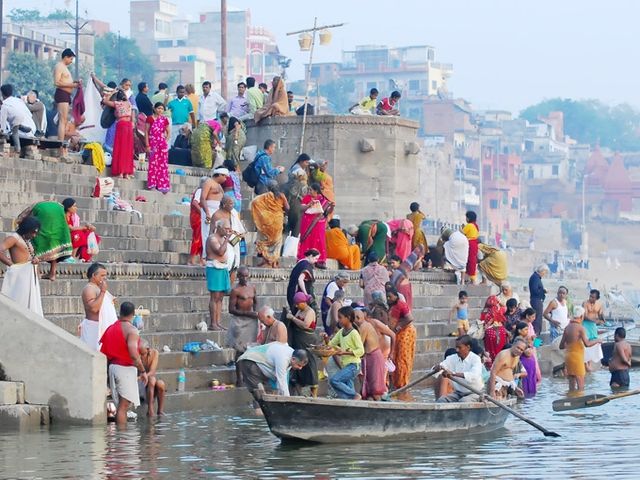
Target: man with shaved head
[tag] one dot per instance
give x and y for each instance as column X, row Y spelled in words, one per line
column 243, row 326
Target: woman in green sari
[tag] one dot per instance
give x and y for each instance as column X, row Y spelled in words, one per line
column 53, row 242
column 203, row 142
column 236, row 138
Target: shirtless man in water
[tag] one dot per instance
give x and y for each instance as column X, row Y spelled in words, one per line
column 93, row 295
column 155, row 388
column 621, row 360
column 502, row 378
column 374, row 384
column 65, row 84
column 243, row 328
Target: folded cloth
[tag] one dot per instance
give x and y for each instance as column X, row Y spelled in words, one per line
column 21, row 284
column 123, row 382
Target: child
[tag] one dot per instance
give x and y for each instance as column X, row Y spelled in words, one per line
column 461, row 309
column 620, row 360
column 513, row 315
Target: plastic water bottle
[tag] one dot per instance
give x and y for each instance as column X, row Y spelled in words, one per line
column 182, row 380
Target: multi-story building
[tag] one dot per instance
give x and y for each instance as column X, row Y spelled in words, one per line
column 501, row 188
column 44, row 41
column 411, row 70
column 264, row 60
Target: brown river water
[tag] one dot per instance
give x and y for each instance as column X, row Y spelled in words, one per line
column 233, row 444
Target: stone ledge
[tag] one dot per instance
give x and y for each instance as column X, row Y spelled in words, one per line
column 337, row 119
column 23, row 416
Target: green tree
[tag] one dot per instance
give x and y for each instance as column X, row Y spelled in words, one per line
column 28, row 73
column 59, row 14
column 591, row 121
column 339, row 93
column 21, row 15
column 117, row 57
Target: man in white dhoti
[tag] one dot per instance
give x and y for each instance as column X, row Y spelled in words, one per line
column 210, row 197
column 21, row 282
column 100, row 313
column 230, row 214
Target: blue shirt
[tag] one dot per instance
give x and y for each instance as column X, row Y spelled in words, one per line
column 180, row 110
column 536, row 289
column 265, row 169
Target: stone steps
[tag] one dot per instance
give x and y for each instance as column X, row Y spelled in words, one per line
column 199, row 378
column 208, row 400
column 15, row 413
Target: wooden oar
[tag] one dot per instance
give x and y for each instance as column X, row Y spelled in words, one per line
column 412, row 384
column 547, row 433
column 594, row 400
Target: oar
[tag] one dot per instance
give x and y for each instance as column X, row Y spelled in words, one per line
column 547, row 433
column 594, row 400
column 412, row 384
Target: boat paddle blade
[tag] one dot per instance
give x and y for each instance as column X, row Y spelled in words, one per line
column 575, row 403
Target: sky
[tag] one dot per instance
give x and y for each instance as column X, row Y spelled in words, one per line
column 506, row 54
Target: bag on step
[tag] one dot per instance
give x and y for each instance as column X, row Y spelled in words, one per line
column 92, row 244
column 290, row 248
column 103, row 187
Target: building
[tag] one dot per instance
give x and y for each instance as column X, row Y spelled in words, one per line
column 445, row 116
column 411, row 70
column 501, row 191
column 264, row 60
column 44, row 41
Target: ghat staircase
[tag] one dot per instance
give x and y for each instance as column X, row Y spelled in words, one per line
column 146, row 260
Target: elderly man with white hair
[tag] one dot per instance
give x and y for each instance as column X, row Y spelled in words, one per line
column 271, row 329
column 216, row 271
column 506, row 293
column 537, row 294
column 574, row 340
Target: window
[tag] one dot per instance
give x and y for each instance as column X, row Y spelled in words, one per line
column 555, row 169
column 493, row 204
column 505, row 198
column 256, row 63
column 434, row 85
column 315, row 71
column 414, row 85
column 165, row 43
column 188, row 58
column 514, row 203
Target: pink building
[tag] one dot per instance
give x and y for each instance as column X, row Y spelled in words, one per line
column 501, row 191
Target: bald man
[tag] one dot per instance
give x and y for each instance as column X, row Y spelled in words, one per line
column 274, row 330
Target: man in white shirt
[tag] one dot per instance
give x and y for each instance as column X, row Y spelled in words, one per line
column 210, row 104
column 465, row 365
column 15, row 118
column 272, row 361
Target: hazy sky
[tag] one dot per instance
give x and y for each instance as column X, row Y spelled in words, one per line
column 506, row 54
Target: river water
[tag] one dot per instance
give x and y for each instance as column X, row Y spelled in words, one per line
column 233, row 444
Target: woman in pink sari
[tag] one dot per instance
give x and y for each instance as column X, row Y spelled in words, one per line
column 401, row 236
column 157, row 143
column 316, row 208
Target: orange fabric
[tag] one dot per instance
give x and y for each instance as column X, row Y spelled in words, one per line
column 419, row 237
column 267, row 211
column 277, row 103
column 339, row 249
column 404, row 355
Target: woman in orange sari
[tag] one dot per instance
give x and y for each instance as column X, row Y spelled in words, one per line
column 277, row 103
column 268, row 215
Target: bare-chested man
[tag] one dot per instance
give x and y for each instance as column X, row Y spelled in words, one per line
column 374, row 384
column 93, row 297
column 275, row 330
column 21, row 282
column 332, row 315
column 503, row 379
column 155, row 388
column 243, row 327
column 574, row 339
column 230, row 214
column 210, row 198
column 217, row 275
column 65, row 84
column 621, row 360
column 593, row 316
column 386, row 337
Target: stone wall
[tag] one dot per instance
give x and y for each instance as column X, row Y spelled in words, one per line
column 57, row 368
column 373, row 160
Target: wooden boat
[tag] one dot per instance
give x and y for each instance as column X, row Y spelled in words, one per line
column 326, row 420
column 607, row 352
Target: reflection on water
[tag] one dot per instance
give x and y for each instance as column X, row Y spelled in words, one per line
column 226, row 445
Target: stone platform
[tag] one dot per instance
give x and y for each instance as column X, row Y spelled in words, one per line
column 146, row 260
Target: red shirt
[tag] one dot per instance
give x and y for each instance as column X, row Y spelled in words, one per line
column 386, row 104
column 114, row 346
column 399, row 310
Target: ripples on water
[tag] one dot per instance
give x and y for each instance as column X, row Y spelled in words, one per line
column 595, row 442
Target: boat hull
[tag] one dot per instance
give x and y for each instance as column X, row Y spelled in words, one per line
column 340, row 421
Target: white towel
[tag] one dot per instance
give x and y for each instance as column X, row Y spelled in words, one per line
column 22, row 285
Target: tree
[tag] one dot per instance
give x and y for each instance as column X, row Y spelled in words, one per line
column 591, row 121
column 22, row 15
column 117, row 57
column 339, row 93
column 28, row 73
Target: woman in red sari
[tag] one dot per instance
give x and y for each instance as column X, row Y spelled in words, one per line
column 316, row 208
column 122, row 163
column 79, row 233
column 495, row 334
column 195, row 221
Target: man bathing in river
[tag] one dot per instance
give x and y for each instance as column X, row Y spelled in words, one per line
column 465, row 365
column 574, row 339
column 503, row 379
column 243, row 326
column 620, row 361
column 155, row 388
column 373, row 363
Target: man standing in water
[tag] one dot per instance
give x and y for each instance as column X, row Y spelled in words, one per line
column 502, row 379
column 620, row 361
column 65, row 84
column 593, row 316
column 243, row 327
column 574, row 339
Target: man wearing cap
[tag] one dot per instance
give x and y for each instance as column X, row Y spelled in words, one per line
column 64, row 83
column 210, row 197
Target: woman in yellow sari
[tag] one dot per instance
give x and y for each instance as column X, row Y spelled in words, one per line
column 417, row 217
column 268, row 214
column 494, row 265
column 277, row 103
